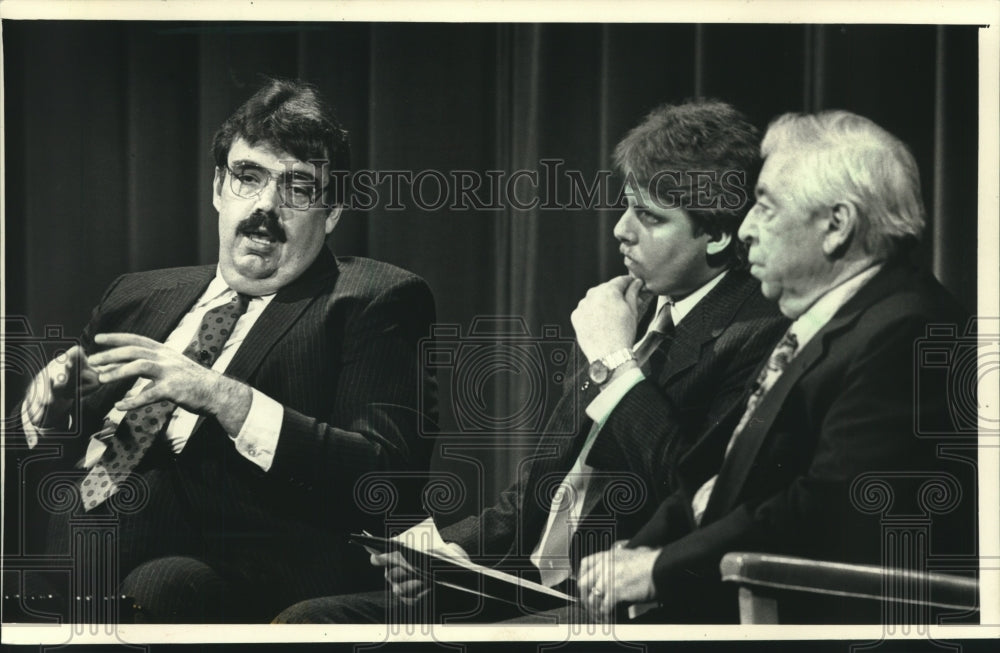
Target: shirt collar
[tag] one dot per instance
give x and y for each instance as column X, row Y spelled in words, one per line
column 218, row 287
column 823, row 309
column 682, row 307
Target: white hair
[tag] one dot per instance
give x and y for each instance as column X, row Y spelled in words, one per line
column 845, row 156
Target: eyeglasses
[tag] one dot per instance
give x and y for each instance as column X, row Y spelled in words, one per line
column 248, row 181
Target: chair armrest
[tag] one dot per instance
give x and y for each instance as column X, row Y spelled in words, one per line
column 840, row 579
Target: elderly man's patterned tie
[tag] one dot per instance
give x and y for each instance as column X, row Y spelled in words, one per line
column 136, row 433
column 776, row 364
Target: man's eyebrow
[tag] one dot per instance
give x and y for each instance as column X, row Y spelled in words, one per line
column 302, row 174
column 297, row 174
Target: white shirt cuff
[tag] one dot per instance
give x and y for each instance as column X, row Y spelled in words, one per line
column 606, row 401
column 258, row 439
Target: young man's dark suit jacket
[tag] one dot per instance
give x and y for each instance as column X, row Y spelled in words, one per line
column 338, row 347
column 845, row 407
column 715, row 349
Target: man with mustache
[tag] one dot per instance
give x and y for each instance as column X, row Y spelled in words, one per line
column 227, row 412
column 664, row 354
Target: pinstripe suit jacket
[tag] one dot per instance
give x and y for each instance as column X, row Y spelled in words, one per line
column 715, row 349
column 338, row 349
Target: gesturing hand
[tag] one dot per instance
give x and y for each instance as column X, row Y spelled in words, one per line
column 605, row 319
column 173, row 376
column 618, row 575
column 53, row 391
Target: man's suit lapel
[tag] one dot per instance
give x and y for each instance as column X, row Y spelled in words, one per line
column 739, row 461
column 704, row 323
column 281, row 314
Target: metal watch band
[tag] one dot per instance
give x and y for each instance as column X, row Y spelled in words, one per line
column 618, row 358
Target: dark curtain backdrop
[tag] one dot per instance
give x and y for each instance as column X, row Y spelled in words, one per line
column 108, row 128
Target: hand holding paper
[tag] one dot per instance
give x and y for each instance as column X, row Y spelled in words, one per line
column 408, row 585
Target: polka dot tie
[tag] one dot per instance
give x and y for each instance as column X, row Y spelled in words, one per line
column 128, row 441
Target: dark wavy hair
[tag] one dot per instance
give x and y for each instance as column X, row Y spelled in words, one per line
column 292, row 116
column 702, row 156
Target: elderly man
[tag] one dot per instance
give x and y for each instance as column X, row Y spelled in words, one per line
column 838, row 207
column 235, row 406
column 678, row 336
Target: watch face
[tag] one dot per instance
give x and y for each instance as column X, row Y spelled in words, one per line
column 598, row 372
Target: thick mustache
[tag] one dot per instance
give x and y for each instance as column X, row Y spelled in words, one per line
column 261, row 220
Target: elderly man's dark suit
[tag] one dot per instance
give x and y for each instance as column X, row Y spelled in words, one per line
column 844, row 411
column 338, row 348
column 715, row 349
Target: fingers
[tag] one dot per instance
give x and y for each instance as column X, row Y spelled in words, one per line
column 63, row 380
column 632, row 293
column 59, row 371
column 621, row 283
column 412, row 600
column 405, row 583
column 140, row 367
column 390, row 559
column 77, row 359
column 598, row 603
column 587, row 565
column 124, row 340
column 588, row 576
column 71, row 358
column 402, row 578
column 122, row 348
column 597, row 584
column 52, row 390
column 409, row 587
column 396, row 574
column 111, row 357
column 88, row 381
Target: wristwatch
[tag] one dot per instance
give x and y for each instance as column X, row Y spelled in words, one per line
column 601, row 369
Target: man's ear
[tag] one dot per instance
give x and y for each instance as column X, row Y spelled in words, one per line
column 333, row 217
column 718, row 245
column 842, row 223
column 220, row 177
